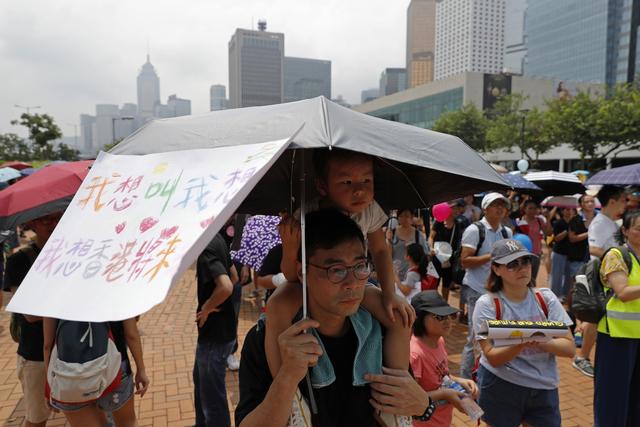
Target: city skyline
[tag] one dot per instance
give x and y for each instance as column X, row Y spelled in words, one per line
column 68, row 73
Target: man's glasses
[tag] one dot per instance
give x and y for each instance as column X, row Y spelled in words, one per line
column 440, row 318
column 338, row 273
column 519, row 263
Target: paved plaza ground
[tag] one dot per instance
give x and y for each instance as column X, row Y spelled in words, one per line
column 169, row 338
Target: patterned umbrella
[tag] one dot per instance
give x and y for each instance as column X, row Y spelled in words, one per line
column 624, row 175
column 259, row 236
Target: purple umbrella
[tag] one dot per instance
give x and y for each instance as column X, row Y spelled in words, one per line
column 259, row 236
column 624, row 175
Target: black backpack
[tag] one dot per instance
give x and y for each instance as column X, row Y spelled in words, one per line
column 589, row 302
column 458, row 271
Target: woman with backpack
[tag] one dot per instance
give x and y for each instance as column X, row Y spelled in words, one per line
column 401, row 237
column 519, row 383
column 617, row 371
column 89, row 372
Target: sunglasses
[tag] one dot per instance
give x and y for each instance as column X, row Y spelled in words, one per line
column 519, row 263
column 440, row 318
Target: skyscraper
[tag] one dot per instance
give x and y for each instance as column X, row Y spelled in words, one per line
column 583, row 40
column 179, row 106
column 148, row 90
column 256, row 67
column 515, row 49
column 217, row 98
column 421, row 41
column 306, row 78
column 392, row 80
column 469, row 37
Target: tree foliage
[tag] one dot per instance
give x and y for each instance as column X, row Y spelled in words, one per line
column 468, row 124
column 42, row 130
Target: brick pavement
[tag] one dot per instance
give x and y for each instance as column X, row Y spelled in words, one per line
column 169, row 337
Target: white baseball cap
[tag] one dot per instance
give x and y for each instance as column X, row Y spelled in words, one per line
column 492, row 197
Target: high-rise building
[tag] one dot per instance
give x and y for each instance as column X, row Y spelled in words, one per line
column 515, row 49
column 217, row 98
column 306, row 78
column 583, row 40
column 392, row 80
column 148, row 90
column 104, row 126
column 421, row 42
column 256, row 67
column 368, row 95
column 179, row 106
column 469, row 37
column 87, row 123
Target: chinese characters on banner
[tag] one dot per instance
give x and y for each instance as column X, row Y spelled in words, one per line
column 134, row 226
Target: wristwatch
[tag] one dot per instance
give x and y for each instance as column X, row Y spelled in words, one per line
column 427, row 412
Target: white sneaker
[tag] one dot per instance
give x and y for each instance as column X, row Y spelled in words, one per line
column 233, row 364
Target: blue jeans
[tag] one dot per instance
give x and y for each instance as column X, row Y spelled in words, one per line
column 560, row 274
column 210, row 393
column 616, row 400
column 507, row 405
column 468, row 359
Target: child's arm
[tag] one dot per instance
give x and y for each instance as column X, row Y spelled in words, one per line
column 498, row 356
column 468, row 385
column 134, row 343
column 398, row 335
column 384, row 266
column 289, row 229
column 282, row 307
column 561, row 347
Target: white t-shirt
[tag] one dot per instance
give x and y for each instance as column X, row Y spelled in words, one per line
column 602, row 232
column 411, row 279
column 369, row 220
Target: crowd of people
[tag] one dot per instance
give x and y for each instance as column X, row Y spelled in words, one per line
column 370, row 348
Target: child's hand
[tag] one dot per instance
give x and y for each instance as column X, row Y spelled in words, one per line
column 393, row 302
column 469, row 385
column 454, row 397
column 290, row 233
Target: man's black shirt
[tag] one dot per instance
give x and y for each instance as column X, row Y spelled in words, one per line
column 215, row 261
column 578, row 251
column 339, row 404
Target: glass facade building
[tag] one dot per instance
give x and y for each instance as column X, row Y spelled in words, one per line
column 425, row 111
column 306, row 78
column 582, row 40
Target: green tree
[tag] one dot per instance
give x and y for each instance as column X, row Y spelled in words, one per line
column 64, row 152
column 618, row 121
column 467, row 123
column 41, row 127
column 12, row 147
column 511, row 127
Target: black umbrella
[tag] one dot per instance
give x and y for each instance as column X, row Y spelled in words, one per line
column 556, row 183
column 414, row 167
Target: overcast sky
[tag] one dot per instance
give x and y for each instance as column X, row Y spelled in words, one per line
column 67, row 56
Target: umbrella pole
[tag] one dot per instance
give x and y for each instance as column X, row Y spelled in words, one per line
column 305, row 312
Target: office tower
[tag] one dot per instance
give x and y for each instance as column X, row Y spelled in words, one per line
column 217, row 98
column 178, row 106
column 421, row 41
column 515, row 49
column 148, row 90
column 369, row 95
column 306, row 78
column 86, row 133
column 392, row 80
column 583, row 40
column 256, row 67
column 103, row 128
column 469, row 37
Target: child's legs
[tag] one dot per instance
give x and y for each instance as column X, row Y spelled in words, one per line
column 503, row 403
column 126, row 415
column 468, row 360
column 559, row 262
column 446, row 275
column 89, row 416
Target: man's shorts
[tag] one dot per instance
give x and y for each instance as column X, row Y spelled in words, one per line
column 32, row 378
column 110, row 402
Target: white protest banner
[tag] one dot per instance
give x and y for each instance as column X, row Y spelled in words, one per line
column 135, row 226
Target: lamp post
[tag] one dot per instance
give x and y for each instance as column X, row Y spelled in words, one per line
column 27, row 107
column 113, row 124
column 523, row 116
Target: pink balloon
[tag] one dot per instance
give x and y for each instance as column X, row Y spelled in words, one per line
column 441, row 211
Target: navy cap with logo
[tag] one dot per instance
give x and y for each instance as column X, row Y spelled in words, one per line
column 506, row 250
column 432, row 302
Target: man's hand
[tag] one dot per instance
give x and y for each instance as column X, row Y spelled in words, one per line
column 202, row 315
column 393, row 302
column 298, row 350
column 396, row 392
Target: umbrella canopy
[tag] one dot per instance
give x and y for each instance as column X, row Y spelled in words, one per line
column 28, row 171
column 414, row 167
column 48, row 190
column 7, row 174
column 556, row 183
column 624, row 175
column 15, row 165
column 565, row 201
column 519, row 183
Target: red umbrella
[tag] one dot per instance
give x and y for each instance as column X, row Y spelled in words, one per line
column 48, row 190
column 15, row 165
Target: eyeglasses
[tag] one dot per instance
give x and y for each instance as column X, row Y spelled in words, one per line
column 519, row 263
column 338, row 273
column 440, row 318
